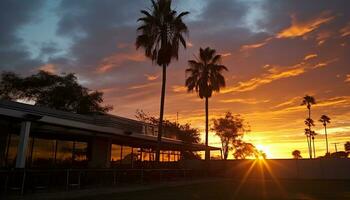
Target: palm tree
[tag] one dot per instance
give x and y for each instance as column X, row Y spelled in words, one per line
column 161, row 33
column 307, row 134
column 325, row 120
column 312, row 135
column 309, row 123
column 309, row 101
column 296, row 154
column 205, row 76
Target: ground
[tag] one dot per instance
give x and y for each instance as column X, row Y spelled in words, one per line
column 230, row 189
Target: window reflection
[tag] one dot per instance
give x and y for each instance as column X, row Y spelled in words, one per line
column 126, row 155
column 116, row 154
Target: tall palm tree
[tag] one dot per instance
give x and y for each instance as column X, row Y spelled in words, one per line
column 310, row 122
column 308, row 139
column 160, row 34
column 309, row 101
column 204, row 76
column 325, row 120
column 312, row 135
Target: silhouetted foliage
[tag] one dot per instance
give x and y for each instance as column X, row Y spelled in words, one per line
column 229, row 128
column 309, row 101
column 339, row 154
column 183, row 132
column 296, row 154
column 324, row 119
column 243, row 150
column 160, row 34
column 347, row 146
column 54, row 91
column 204, row 76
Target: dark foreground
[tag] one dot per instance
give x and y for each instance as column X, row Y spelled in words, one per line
column 228, row 189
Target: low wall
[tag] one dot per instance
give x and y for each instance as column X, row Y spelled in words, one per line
column 276, row 168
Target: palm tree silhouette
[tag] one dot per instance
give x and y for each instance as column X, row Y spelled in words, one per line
column 308, row 138
column 309, row 101
column 309, row 123
column 205, row 76
column 325, row 120
column 161, row 32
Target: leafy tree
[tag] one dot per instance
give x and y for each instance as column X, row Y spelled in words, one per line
column 244, row 150
column 296, row 154
column 62, row 92
column 325, row 120
column 229, row 129
column 183, row 132
column 205, row 77
column 161, row 32
column 309, row 101
column 347, row 146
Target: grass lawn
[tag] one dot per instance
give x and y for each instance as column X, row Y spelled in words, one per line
column 229, row 189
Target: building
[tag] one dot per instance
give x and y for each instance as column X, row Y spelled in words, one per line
column 39, row 137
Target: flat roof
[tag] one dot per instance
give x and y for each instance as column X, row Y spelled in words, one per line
column 107, row 124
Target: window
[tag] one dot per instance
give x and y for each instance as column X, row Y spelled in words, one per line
column 80, row 151
column 116, row 154
column 64, row 153
column 43, row 152
column 126, row 155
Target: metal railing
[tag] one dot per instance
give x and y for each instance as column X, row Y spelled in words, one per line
column 21, row 181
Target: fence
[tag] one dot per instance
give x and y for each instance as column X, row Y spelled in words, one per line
column 326, row 169
column 20, row 181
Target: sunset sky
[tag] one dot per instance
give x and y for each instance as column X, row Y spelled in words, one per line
column 276, row 53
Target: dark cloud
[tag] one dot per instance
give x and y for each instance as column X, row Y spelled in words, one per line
column 13, row 15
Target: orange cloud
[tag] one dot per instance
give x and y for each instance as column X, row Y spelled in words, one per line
column 244, row 101
column 189, row 44
column 310, row 56
column 117, row 59
column 298, row 29
column 347, row 78
column 51, row 68
column 257, row 45
column 345, row 31
column 274, row 74
column 226, row 54
column 142, row 86
column 179, row 88
column 151, row 77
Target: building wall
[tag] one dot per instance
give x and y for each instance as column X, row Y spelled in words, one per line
column 276, row 168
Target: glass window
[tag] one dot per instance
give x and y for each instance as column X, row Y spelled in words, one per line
column 116, row 154
column 43, row 152
column 126, row 155
column 64, row 153
column 80, row 153
column 4, row 141
column 136, row 153
column 12, row 150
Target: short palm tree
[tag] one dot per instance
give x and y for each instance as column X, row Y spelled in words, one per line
column 325, row 120
column 309, row 101
column 160, row 34
column 204, row 76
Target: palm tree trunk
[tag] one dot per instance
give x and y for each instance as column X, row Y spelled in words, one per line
column 161, row 114
column 308, row 145
column 325, row 131
column 207, row 156
column 313, row 144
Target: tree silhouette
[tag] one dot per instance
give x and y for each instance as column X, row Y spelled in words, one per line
column 161, row 32
column 204, row 77
column 62, row 92
column 229, row 129
column 311, row 134
column 309, row 101
column 347, row 146
column 325, row 120
column 296, row 154
column 244, row 150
